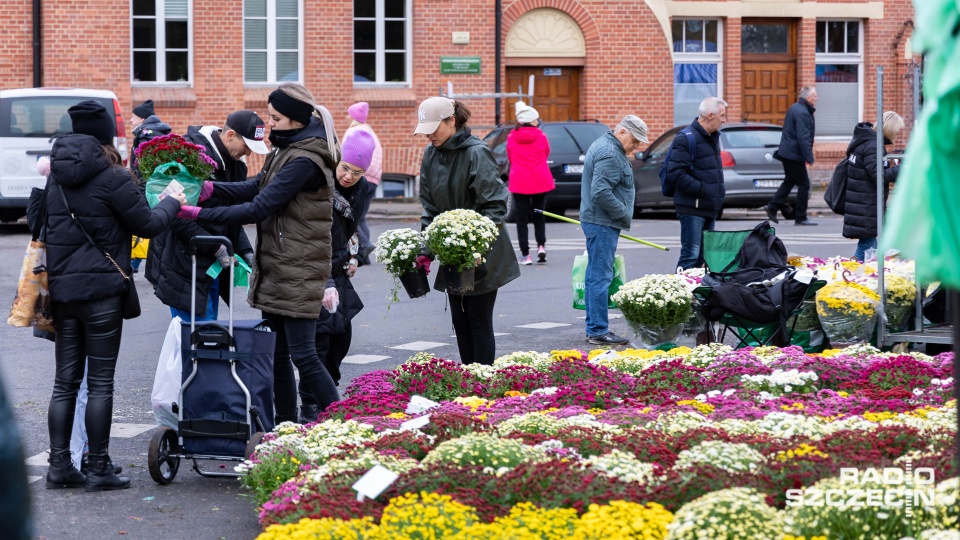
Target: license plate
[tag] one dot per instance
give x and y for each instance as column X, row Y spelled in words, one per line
column 573, row 169
column 767, row 183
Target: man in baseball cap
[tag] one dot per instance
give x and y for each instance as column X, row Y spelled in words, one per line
column 251, row 128
column 433, row 111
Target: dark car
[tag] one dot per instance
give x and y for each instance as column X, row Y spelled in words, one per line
column 569, row 142
column 751, row 175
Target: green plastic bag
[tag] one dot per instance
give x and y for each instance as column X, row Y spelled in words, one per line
column 241, row 272
column 579, row 275
column 168, row 172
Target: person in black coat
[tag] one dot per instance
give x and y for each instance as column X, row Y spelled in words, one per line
column 89, row 190
column 698, row 180
column 796, row 153
column 334, row 330
column 170, row 266
column 860, row 210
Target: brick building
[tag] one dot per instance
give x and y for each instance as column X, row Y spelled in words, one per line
column 592, row 59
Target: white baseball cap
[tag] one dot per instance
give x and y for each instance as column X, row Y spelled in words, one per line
column 433, row 111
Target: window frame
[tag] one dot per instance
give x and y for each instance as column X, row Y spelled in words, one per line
column 160, row 48
column 380, row 47
column 700, row 57
column 845, row 58
column 271, row 50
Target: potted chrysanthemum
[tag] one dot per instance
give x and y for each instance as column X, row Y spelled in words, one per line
column 172, row 164
column 397, row 250
column 460, row 239
column 847, row 312
column 656, row 306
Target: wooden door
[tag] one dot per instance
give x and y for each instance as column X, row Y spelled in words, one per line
column 768, row 69
column 556, row 92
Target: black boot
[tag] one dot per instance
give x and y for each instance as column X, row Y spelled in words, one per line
column 85, row 465
column 308, row 414
column 102, row 477
column 62, row 474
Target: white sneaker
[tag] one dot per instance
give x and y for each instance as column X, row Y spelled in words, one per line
column 526, row 261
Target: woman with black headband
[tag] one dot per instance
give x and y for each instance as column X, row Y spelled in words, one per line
column 290, row 201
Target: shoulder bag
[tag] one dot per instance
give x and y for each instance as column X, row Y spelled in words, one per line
column 131, row 300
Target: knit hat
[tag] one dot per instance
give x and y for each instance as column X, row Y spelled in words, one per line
column 145, row 109
column 527, row 115
column 357, row 149
column 519, row 106
column 90, row 118
column 358, row 111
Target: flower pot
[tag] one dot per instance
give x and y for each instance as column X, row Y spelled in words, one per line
column 458, row 281
column 415, row 283
column 652, row 338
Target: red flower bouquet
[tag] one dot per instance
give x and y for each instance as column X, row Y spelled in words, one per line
column 168, row 159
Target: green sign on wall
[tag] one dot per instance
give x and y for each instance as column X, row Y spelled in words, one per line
column 459, row 65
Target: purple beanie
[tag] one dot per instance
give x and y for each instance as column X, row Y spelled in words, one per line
column 357, row 149
column 358, row 111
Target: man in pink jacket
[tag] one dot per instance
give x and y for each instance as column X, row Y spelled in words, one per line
column 530, row 179
column 358, row 113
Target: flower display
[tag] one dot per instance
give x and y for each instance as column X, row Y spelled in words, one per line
column 782, row 382
column 657, row 307
column 397, row 251
column 461, row 237
column 174, row 148
column 847, row 311
column 740, row 513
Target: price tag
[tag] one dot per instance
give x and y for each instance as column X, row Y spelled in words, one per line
column 372, row 484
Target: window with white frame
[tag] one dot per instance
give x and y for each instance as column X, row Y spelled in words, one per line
column 697, row 64
column 381, row 41
column 272, row 41
column 839, row 60
column 161, row 41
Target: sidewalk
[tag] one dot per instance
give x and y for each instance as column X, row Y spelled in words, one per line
column 393, row 209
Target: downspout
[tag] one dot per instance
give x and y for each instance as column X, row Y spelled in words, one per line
column 498, row 28
column 37, row 68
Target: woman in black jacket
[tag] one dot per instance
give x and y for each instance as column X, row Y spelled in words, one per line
column 860, row 212
column 88, row 283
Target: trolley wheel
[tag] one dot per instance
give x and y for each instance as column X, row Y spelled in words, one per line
column 163, row 466
column 252, row 444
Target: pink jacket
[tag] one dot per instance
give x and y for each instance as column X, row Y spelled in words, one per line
column 375, row 170
column 527, row 151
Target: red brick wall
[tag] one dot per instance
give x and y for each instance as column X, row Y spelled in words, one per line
column 16, row 52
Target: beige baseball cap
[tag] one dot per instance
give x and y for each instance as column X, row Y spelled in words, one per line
column 433, row 111
column 635, row 126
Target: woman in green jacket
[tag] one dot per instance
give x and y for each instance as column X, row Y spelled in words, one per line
column 458, row 171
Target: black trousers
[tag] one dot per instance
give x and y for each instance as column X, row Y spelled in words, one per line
column 332, row 349
column 795, row 174
column 473, row 323
column 296, row 346
column 88, row 334
column 523, row 207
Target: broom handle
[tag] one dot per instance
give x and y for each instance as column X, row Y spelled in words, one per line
column 575, row 222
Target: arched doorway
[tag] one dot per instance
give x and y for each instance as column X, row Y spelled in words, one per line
column 548, row 44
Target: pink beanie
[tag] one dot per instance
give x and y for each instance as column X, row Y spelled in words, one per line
column 358, row 111
column 357, row 149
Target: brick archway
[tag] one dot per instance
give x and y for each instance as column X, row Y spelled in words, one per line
column 591, row 34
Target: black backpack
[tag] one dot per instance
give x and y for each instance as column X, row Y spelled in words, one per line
column 836, row 193
column 762, row 249
column 667, row 188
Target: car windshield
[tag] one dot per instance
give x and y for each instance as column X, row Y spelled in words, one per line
column 572, row 138
column 750, row 137
column 41, row 116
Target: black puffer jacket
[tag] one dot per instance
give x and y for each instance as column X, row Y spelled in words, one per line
column 698, row 179
column 860, row 211
column 345, row 222
column 109, row 205
column 169, row 266
column 799, row 127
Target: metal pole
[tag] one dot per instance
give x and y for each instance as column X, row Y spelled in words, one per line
column 881, row 327
column 498, row 53
column 916, row 93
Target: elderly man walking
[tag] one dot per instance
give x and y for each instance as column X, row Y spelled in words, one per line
column 796, row 153
column 606, row 208
column 695, row 172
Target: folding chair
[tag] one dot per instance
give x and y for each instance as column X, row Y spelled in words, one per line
column 720, row 251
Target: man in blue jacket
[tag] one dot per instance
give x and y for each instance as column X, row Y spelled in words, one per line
column 698, row 179
column 606, row 208
column 796, row 154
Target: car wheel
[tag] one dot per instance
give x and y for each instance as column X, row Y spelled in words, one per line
column 789, row 211
column 720, row 214
column 10, row 216
column 636, row 212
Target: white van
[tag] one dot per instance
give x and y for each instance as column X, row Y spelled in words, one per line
column 29, row 120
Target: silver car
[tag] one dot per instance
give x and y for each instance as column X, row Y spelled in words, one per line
column 750, row 173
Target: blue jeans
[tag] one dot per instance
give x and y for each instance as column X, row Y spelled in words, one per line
column 691, row 236
column 863, row 245
column 213, row 305
column 601, row 251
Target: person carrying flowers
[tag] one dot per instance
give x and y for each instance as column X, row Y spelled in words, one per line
column 290, row 201
column 458, row 171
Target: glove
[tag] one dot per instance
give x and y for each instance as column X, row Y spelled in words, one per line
column 351, row 269
column 206, row 191
column 330, row 299
column 225, row 260
column 248, row 258
column 424, row 262
column 188, row 212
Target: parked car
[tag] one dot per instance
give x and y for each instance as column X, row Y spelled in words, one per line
column 569, row 142
column 750, row 173
column 29, row 120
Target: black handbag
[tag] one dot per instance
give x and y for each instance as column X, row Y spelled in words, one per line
column 131, row 299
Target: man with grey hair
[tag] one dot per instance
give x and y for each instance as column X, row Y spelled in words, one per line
column 606, row 208
column 695, row 175
column 796, row 154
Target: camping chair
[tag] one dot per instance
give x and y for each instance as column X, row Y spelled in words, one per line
column 720, row 251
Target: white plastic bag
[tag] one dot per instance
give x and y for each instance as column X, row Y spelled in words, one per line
column 166, row 383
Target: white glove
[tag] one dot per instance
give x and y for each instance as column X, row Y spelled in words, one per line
column 225, row 260
column 330, row 299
